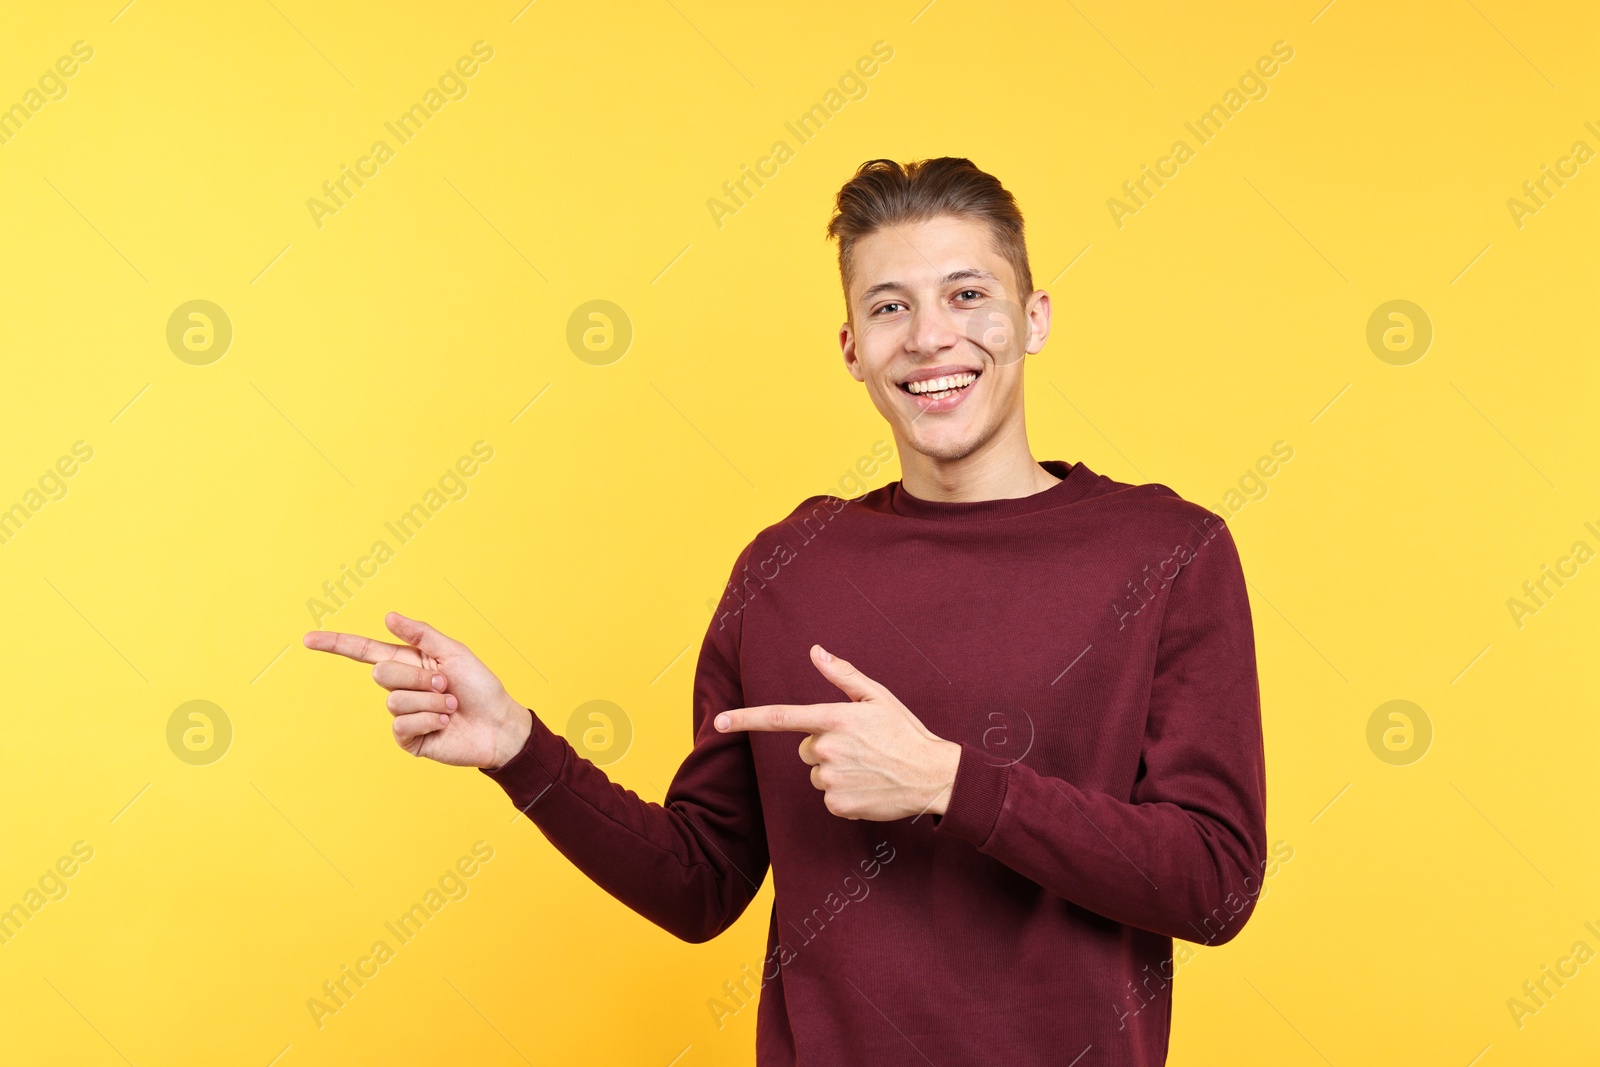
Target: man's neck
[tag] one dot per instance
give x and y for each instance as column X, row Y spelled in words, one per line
column 993, row 472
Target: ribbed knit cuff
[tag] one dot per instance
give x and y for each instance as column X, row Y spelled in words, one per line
column 531, row 771
column 976, row 797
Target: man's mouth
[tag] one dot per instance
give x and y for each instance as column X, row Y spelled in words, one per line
column 943, row 387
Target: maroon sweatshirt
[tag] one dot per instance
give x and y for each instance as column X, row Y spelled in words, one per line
column 1090, row 647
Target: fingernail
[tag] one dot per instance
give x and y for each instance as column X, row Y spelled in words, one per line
column 827, row 657
column 444, row 720
column 438, row 681
column 722, row 722
column 450, row 702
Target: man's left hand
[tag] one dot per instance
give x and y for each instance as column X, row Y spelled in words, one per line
column 871, row 757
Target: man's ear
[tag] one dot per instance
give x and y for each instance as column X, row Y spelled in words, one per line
column 1038, row 315
column 847, row 346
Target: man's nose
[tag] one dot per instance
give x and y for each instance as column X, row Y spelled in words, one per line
column 934, row 329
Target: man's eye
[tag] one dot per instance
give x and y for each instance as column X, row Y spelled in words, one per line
column 972, row 292
column 886, row 307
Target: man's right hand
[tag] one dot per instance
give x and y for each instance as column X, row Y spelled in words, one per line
column 446, row 704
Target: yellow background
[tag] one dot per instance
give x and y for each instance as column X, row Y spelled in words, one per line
column 1227, row 314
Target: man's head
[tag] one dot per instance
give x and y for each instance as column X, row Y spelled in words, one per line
column 937, row 286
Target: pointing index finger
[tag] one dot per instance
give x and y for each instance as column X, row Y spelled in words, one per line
column 355, row 646
column 778, row 718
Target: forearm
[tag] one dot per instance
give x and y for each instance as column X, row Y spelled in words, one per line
column 690, row 867
column 1188, row 872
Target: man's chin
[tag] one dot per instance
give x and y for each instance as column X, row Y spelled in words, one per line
column 944, row 447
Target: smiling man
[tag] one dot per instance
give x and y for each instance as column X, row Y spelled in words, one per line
column 994, row 727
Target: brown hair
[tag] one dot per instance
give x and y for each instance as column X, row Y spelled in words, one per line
column 886, row 193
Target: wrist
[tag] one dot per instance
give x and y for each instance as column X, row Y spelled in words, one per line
column 945, row 761
column 516, row 726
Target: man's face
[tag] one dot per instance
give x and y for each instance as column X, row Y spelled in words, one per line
column 937, row 332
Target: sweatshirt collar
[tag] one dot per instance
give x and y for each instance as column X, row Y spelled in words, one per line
column 1076, row 480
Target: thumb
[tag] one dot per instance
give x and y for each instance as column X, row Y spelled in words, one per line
column 843, row 674
column 413, row 632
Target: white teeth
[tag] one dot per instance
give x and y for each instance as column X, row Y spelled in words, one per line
column 946, row 384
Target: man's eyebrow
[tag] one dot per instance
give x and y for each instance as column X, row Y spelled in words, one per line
column 953, row 276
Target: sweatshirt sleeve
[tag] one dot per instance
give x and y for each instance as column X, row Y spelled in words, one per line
column 1183, row 856
column 691, row 864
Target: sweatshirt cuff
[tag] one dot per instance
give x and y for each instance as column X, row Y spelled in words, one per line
column 527, row 775
column 976, row 797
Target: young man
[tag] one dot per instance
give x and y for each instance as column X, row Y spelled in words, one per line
column 995, row 727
